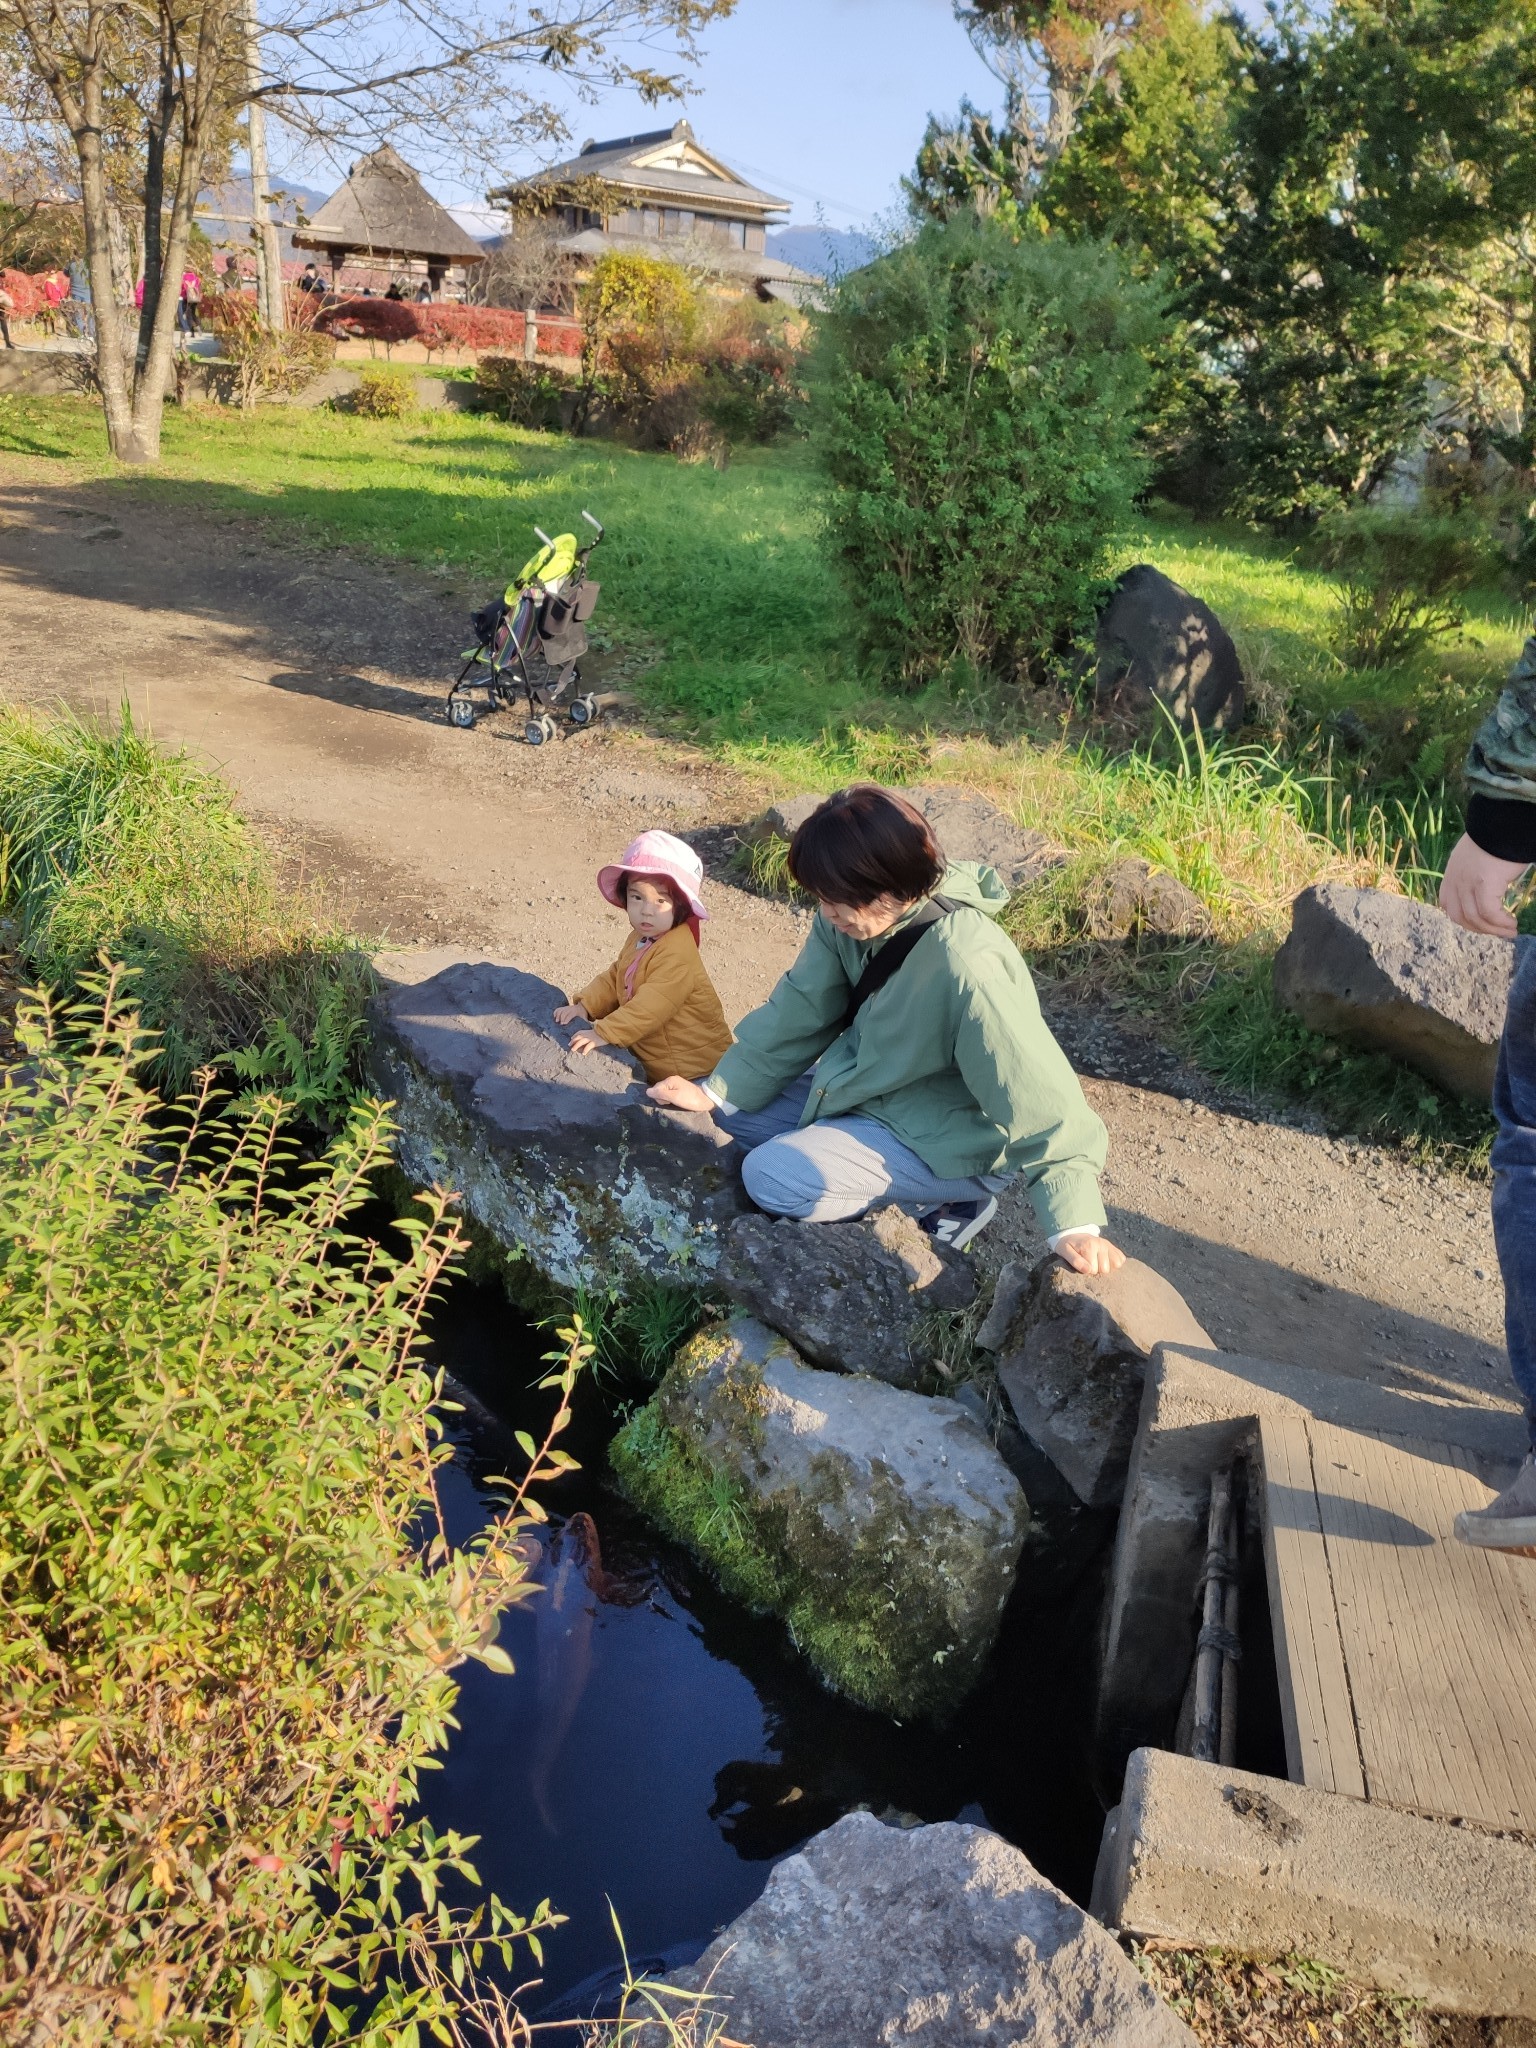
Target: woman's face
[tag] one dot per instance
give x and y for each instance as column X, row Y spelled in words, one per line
column 863, row 920
column 650, row 907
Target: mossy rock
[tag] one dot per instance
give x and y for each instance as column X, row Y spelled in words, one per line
column 880, row 1525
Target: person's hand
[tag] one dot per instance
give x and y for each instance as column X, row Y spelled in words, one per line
column 587, row 1041
column 1085, row 1254
column 1473, row 889
column 573, row 1013
column 676, row 1093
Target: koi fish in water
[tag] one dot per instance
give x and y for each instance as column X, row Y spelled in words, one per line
column 566, row 1618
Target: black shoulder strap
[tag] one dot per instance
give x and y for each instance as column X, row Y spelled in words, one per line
column 879, row 968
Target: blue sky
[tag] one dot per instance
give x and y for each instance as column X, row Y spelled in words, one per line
column 822, row 102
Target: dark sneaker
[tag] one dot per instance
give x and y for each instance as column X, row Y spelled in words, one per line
column 1509, row 1521
column 956, row 1223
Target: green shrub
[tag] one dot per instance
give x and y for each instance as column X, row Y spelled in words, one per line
column 383, row 395
column 522, row 393
column 228, row 1609
column 1399, row 578
column 975, row 399
column 109, row 846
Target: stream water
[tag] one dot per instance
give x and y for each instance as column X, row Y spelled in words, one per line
column 661, row 1749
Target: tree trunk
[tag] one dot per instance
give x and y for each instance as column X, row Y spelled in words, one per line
column 271, row 299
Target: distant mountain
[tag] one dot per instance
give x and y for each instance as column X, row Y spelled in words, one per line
column 823, row 252
column 221, row 207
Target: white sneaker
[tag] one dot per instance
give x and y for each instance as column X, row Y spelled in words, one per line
column 1509, row 1521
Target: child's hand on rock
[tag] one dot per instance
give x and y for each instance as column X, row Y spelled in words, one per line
column 587, row 1041
column 571, row 1013
column 1090, row 1254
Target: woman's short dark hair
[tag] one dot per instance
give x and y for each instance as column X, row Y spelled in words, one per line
column 863, row 843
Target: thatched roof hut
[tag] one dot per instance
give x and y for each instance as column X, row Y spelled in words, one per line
column 385, row 213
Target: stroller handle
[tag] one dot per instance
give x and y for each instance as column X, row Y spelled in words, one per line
column 543, row 536
column 595, row 524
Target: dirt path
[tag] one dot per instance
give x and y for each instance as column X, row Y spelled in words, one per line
column 315, row 680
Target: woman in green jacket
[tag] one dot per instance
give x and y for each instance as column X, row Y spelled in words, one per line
column 929, row 1081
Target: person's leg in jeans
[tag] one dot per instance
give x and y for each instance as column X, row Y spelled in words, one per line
column 1514, row 1181
column 753, row 1127
column 1509, row 1522
column 830, row 1171
column 5, row 330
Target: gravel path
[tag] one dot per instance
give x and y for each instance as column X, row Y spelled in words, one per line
column 314, row 679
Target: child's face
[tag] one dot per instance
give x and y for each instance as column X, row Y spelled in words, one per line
column 650, row 907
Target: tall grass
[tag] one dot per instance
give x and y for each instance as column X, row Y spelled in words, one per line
column 111, row 847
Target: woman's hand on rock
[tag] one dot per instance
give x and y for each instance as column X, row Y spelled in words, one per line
column 572, row 1013
column 676, row 1093
column 1087, row 1254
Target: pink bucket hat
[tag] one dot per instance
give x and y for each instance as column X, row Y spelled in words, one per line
column 657, row 853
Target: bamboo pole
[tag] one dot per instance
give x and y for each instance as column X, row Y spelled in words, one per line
column 1206, row 1740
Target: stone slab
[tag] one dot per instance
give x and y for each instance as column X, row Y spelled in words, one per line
column 1216, row 1858
column 929, row 1937
column 559, row 1158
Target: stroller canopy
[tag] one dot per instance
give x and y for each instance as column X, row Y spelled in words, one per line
column 550, row 566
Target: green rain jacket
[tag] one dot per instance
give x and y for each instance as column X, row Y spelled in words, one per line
column 952, row 1054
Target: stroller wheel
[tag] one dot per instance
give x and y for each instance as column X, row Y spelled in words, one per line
column 538, row 730
column 461, row 712
column 584, row 710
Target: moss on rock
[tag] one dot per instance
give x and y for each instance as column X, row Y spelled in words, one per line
column 881, row 1526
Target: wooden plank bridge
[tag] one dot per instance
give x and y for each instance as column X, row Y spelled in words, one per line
column 1407, row 1661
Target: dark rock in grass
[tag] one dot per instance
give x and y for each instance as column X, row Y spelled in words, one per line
column 1159, row 645
column 882, row 1526
column 851, row 1296
column 966, row 826
column 1072, row 1352
column 1395, row 976
column 937, row 1937
column 1134, row 900
column 558, row 1158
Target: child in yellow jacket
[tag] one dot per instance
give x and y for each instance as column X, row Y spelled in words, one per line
column 656, row 999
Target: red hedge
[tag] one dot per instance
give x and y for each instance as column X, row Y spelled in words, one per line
column 386, row 320
column 27, row 291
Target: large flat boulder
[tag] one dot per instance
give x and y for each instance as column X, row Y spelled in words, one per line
column 1395, row 976
column 855, row 1297
column 932, row 1937
column 1159, row 649
column 882, row 1526
column 967, row 827
column 559, row 1158
column 1072, row 1358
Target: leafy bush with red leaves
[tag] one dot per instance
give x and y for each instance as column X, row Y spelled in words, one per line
column 26, row 290
column 475, row 327
column 386, row 320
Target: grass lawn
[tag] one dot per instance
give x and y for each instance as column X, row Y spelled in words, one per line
column 720, row 579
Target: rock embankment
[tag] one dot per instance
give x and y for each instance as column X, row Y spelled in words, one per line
column 882, row 1526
